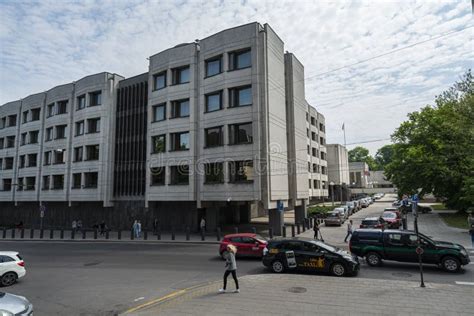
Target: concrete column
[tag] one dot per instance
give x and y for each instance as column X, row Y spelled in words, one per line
column 212, row 216
column 276, row 221
column 235, row 214
column 301, row 212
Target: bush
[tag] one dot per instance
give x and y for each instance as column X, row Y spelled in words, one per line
column 319, row 210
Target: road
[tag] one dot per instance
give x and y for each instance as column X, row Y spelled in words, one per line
column 103, row 278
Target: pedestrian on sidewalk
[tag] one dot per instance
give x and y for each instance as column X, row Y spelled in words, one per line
column 316, row 230
column 231, row 268
column 471, row 231
column 135, row 229
column 155, row 226
column 349, row 230
column 202, row 226
column 102, row 228
column 74, row 226
column 139, row 227
column 79, row 225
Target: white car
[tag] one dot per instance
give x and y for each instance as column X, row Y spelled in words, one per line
column 12, row 267
column 15, row 305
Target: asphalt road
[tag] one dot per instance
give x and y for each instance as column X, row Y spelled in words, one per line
column 103, row 278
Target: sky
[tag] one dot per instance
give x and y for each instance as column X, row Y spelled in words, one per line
column 426, row 47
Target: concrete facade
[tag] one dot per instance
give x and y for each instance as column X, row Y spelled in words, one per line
column 338, row 170
column 359, row 175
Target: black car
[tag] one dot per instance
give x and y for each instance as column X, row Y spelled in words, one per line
column 306, row 255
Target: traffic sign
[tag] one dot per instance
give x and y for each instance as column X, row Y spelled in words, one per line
column 419, row 251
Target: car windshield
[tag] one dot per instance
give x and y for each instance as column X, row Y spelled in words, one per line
column 333, row 215
column 369, row 222
column 325, row 246
column 389, row 215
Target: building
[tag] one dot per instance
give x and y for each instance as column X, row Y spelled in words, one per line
column 359, row 175
column 338, row 171
column 378, row 180
column 214, row 129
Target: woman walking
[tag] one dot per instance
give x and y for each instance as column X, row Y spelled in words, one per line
column 231, row 267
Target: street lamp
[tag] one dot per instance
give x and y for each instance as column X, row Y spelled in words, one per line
column 331, row 184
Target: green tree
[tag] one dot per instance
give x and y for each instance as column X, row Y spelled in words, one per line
column 383, row 156
column 360, row 153
column 433, row 151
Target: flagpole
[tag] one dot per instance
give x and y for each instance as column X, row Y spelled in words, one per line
column 344, row 129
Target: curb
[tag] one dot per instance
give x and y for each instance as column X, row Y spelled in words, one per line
column 113, row 241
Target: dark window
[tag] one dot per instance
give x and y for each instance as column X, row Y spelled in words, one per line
column 293, row 245
column 158, row 144
column 321, row 140
column 315, row 168
column 236, row 240
column 47, row 158
column 180, row 108
column 3, row 122
column 11, row 121
column 214, row 172
column 179, row 141
column 23, row 139
column 180, row 75
column 19, row 187
column 8, row 163
column 309, row 183
column 58, row 182
column 91, row 179
column 30, row 183
column 240, row 134
column 95, row 98
column 240, row 59
column 214, row 136
column 62, row 107
column 313, row 136
column 59, row 156
column 10, row 141
column 323, row 170
column 93, row 125
column 313, row 120
column 34, row 137
column 61, row 131
column 7, row 184
column 322, row 127
column 214, row 101
column 81, row 102
column 241, row 171
column 24, row 117
column 241, row 96
column 35, row 114
column 32, row 160
column 21, row 163
column 92, row 152
column 323, row 155
column 76, row 180
column 78, row 154
column 213, row 66
column 49, row 134
column 159, row 112
column 179, row 174
column 1, row 163
column 2, row 142
column 159, row 80
column 395, row 239
column 158, row 176
column 50, row 110
column 314, row 152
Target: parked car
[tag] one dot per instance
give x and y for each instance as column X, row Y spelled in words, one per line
column 377, row 245
column 371, row 222
column 344, row 210
column 12, row 267
column 308, row 255
column 15, row 305
column 352, row 207
column 392, row 219
column 248, row 244
column 364, row 203
column 334, row 218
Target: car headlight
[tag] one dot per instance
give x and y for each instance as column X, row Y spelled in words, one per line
column 5, row 313
column 464, row 252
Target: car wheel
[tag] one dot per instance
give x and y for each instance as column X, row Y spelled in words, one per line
column 277, row 266
column 451, row 264
column 373, row 259
column 9, row 278
column 338, row 269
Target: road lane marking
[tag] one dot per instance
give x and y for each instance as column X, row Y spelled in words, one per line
column 139, row 299
column 171, row 295
column 464, row 283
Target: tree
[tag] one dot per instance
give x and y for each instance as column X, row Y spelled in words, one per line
column 361, row 154
column 434, row 149
column 383, row 156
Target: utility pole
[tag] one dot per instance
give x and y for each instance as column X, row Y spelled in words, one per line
column 419, row 249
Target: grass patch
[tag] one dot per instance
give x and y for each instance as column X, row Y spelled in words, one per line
column 438, row 207
column 458, row 219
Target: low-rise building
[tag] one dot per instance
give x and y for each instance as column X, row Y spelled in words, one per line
column 338, row 171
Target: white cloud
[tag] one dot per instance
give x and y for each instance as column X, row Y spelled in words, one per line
column 43, row 44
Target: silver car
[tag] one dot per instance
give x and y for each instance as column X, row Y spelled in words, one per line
column 15, row 305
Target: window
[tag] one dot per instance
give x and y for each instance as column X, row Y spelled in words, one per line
column 309, row 183
column 78, row 154
column 62, row 107
column 79, row 128
column 92, row 152
column 180, row 75
column 158, row 176
column 50, row 110
column 8, row 163
column 314, row 152
column 21, row 163
column 32, row 160
column 58, row 182
column 30, row 183
column 49, row 134
column 395, row 239
column 2, row 142
column 11, row 121
column 180, row 108
column 45, row 185
column 241, row 171
column 34, row 137
column 214, row 101
column 321, row 140
column 240, row 59
column 158, row 144
column 3, row 122
column 95, row 98
column 179, row 141
column 313, row 136
column 1, row 163
column 322, row 128
column 23, row 139
column 24, row 118
column 213, row 66
column 323, row 155
column 293, row 245
column 93, row 125
column 317, row 184
column 81, row 102
column 61, row 131
column 159, row 80
column 59, row 156
column 159, row 112
column 91, row 179
column 10, row 141
column 214, row 172
column 240, row 134
column 179, row 174
column 35, row 114
column 76, row 180
column 241, row 96
column 20, row 184
column 214, row 136
column 47, row 158
column 7, row 184
column 313, row 120
column 315, row 168
column 324, row 170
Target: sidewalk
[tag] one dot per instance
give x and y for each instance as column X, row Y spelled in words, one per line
column 292, row 294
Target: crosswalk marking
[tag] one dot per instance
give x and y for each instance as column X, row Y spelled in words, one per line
column 464, row 283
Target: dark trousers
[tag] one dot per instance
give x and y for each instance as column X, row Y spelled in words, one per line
column 234, row 275
column 348, row 234
column 404, row 224
column 316, row 233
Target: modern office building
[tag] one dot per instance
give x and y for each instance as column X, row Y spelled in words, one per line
column 214, row 129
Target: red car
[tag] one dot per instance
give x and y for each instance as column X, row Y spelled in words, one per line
column 248, row 244
column 392, row 219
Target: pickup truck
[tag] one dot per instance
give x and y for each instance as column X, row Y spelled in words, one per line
column 377, row 245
